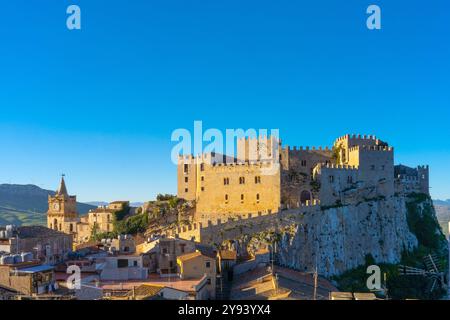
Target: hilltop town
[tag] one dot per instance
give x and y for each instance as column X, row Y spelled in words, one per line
column 274, row 222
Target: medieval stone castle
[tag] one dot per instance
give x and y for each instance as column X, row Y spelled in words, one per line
column 267, row 177
column 265, row 180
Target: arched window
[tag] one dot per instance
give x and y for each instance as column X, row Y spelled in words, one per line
column 305, row 196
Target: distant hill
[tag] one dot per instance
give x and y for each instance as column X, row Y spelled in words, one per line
column 27, row 204
column 103, row 203
column 442, row 208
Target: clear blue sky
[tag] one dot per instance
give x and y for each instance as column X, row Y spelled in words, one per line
column 100, row 104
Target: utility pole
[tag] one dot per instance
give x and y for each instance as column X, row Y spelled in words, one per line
column 315, row 276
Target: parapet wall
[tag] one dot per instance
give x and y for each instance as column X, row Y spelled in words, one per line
column 356, row 136
column 210, row 231
column 371, row 148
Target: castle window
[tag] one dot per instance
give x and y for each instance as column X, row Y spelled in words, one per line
column 186, row 179
column 203, row 178
column 226, row 198
column 331, row 179
column 350, row 179
column 257, row 179
column 242, row 197
column 303, row 163
column 203, row 188
column 257, row 197
column 186, row 168
column 372, row 167
column 382, row 167
column 202, row 167
column 186, row 190
column 226, row 181
column 71, row 227
column 208, row 264
column 241, row 180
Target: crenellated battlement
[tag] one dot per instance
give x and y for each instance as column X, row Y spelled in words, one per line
column 307, row 148
column 259, row 137
column 257, row 164
column 371, row 148
column 356, row 136
column 338, row 166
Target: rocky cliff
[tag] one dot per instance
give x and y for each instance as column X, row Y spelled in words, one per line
column 338, row 239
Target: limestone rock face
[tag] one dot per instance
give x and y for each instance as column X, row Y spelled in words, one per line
column 338, row 239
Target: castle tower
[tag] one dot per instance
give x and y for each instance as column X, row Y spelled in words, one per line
column 423, row 173
column 62, row 210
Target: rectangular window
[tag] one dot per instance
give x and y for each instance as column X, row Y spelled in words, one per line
column 303, row 163
column 226, row 197
column 331, row 179
column 186, row 168
column 208, row 264
column 257, row 197
column 349, row 179
column 242, row 197
column 202, row 178
column 202, row 167
column 203, row 188
column 208, row 281
column 226, row 181
column 372, row 167
column 122, row 263
column 241, row 180
column 186, row 190
column 186, row 179
column 257, row 179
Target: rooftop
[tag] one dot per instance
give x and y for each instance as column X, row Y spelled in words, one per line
column 25, row 232
column 189, row 256
column 154, row 280
column 35, row 269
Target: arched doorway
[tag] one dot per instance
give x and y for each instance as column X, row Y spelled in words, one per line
column 55, row 224
column 305, row 195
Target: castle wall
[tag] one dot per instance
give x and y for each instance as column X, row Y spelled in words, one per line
column 345, row 143
column 247, row 189
column 334, row 180
column 213, row 230
column 187, row 178
column 255, row 149
column 409, row 180
column 377, row 168
column 297, row 173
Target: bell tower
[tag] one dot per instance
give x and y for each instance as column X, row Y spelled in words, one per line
column 62, row 210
